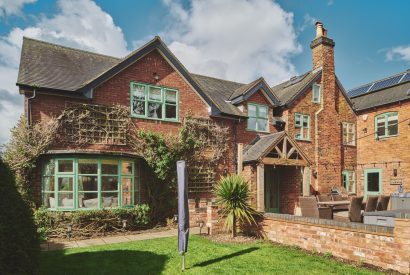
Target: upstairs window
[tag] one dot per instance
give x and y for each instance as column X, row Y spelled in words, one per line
column 258, row 118
column 302, row 127
column 349, row 133
column 316, row 93
column 154, row 102
column 387, row 125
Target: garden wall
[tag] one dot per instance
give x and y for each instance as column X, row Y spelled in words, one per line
column 380, row 246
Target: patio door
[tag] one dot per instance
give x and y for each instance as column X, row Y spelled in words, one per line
column 271, row 189
column 373, row 182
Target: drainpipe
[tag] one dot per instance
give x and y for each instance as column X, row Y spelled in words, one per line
column 317, row 126
column 28, row 107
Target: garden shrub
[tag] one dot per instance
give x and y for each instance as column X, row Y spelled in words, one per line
column 19, row 245
column 90, row 223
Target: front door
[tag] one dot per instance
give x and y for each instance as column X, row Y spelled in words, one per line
column 372, row 182
column 271, row 189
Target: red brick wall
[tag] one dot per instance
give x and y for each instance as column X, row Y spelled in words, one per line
column 385, row 250
column 290, row 186
column 384, row 153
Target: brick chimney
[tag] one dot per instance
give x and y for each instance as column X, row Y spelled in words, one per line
column 322, row 49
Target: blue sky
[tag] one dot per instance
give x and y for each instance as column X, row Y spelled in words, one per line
column 235, row 39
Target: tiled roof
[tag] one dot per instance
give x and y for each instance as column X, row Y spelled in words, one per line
column 382, row 97
column 289, row 90
column 57, row 67
column 260, row 145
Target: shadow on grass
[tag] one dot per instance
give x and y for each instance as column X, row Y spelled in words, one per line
column 222, row 258
column 102, row 262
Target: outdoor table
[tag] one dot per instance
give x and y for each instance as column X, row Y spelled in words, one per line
column 332, row 204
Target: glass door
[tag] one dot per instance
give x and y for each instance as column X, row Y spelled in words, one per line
column 271, row 189
column 373, row 182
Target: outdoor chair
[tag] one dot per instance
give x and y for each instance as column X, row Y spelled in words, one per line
column 354, row 214
column 340, row 207
column 323, row 198
column 371, row 204
column 310, row 208
column 382, row 203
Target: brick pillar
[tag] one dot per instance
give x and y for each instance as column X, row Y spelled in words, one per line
column 214, row 223
column 402, row 237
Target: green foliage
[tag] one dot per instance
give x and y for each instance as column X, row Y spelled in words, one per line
column 19, row 245
column 233, row 196
column 91, row 222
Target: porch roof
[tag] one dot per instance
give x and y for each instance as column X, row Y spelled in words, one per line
column 258, row 150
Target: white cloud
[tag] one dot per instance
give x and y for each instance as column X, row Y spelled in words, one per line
column 308, row 21
column 401, row 53
column 13, row 7
column 234, row 39
column 78, row 23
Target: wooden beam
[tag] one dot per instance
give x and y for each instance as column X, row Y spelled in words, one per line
column 240, row 158
column 291, row 152
column 280, row 161
column 285, row 145
column 279, row 151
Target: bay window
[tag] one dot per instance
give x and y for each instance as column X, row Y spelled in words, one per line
column 89, row 183
column 154, row 102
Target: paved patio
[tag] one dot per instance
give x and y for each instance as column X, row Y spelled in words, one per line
column 48, row 246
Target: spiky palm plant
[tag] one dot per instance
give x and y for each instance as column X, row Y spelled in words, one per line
column 233, row 195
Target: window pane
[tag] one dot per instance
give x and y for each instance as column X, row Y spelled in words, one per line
column 305, row 120
column 65, row 184
column 170, row 96
column 126, row 191
column 138, row 107
column 109, row 167
column 109, row 199
column 305, row 133
column 392, row 126
column 48, row 183
column 138, row 92
column 155, row 110
column 109, row 183
column 87, row 183
column 65, row 200
column 126, row 168
column 298, row 121
column 263, row 111
column 262, row 125
column 87, row 200
column 155, row 94
column 49, row 167
column 49, row 200
column 252, row 123
column 170, row 111
column 87, row 166
column 381, row 131
column 373, row 182
column 251, row 111
column 65, row 165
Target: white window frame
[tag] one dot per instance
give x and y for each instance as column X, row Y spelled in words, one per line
column 349, row 133
column 316, row 93
column 350, row 184
column 385, row 118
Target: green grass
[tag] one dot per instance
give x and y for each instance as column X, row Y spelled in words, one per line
column 160, row 256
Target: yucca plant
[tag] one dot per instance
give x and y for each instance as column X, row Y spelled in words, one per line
column 233, row 195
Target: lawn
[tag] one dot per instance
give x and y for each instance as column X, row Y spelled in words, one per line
column 160, row 256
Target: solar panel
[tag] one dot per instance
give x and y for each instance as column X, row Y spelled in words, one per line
column 405, row 78
column 359, row 91
column 386, row 83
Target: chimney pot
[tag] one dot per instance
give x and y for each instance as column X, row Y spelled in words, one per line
column 319, row 29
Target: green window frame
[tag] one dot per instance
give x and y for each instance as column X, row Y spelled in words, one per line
column 349, row 181
column 386, row 125
column 316, row 93
column 302, row 126
column 258, row 118
column 154, row 102
column 91, row 183
column 349, row 133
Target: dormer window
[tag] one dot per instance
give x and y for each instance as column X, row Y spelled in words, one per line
column 316, row 93
column 258, row 117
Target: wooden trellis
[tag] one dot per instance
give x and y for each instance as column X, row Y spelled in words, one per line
column 94, row 124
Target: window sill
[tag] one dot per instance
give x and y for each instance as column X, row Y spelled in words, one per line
column 156, row 119
column 302, row 139
column 350, row 145
column 256, row 131
column 386, row 137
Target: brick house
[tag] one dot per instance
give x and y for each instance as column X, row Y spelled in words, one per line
column 294, row 138
column 383, row 130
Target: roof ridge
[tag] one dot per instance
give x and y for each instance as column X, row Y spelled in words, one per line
column 216, row 78
column 377, row 81
column 70, row 48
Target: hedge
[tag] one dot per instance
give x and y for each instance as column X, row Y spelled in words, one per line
column 19, row 244
column 90, row 223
